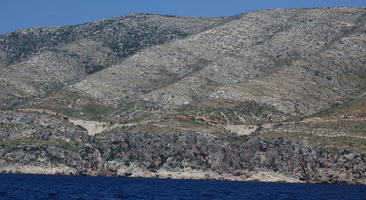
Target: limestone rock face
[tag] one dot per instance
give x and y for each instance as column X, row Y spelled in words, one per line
column 271, row 95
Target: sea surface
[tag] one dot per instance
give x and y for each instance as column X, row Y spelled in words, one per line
column 30, row 187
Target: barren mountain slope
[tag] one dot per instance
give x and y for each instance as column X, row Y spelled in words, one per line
column 38, row 61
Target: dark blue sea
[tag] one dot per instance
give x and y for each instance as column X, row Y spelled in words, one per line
column 30, row 187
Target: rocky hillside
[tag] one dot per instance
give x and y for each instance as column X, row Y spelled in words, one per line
column 38, row 61
column 272, row 95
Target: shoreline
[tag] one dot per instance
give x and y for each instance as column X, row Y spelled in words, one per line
column 159, row 178
column 262, row 176
column 210, row 176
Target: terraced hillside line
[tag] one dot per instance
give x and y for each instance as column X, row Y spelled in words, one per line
column 95, row 127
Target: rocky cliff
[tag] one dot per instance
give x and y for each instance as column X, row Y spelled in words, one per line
column 272, row 95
